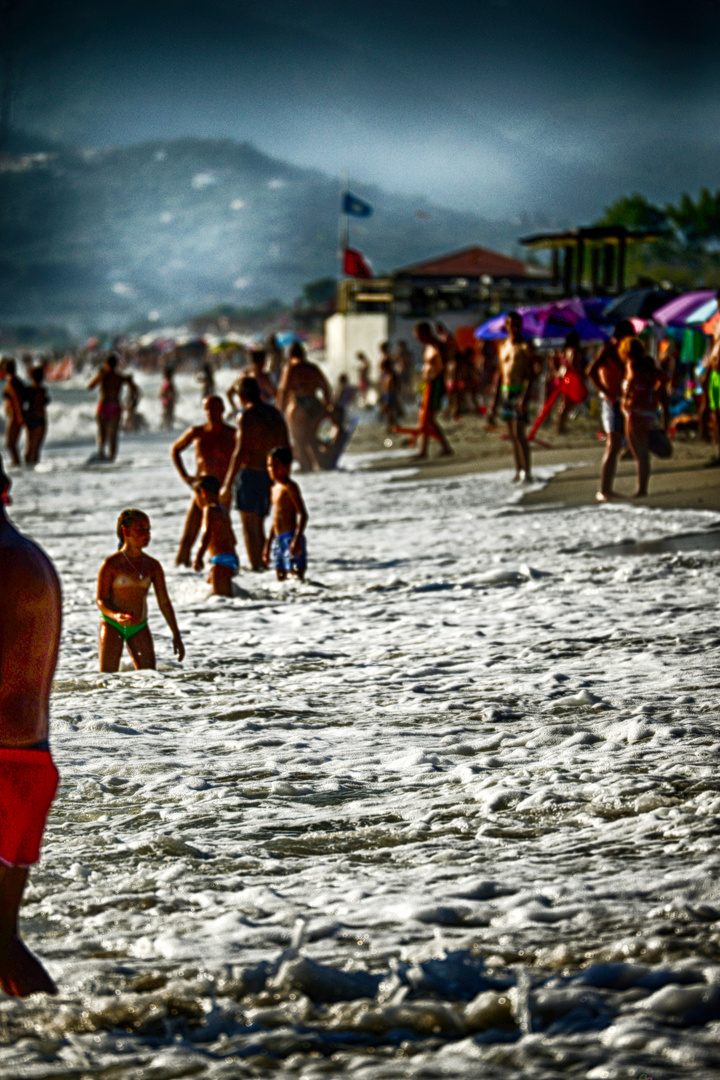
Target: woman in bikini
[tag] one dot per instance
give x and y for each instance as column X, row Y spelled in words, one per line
column 123, row 584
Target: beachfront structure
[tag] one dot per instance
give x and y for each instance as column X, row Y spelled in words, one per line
column 461, row 288
column 590, row 261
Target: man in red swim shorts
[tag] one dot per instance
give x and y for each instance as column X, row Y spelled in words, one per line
column 29, row 639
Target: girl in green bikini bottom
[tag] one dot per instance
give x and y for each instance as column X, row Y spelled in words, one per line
column 123, row 584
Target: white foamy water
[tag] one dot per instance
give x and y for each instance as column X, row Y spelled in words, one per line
column 451, row 808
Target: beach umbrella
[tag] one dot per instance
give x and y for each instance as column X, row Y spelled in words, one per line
column 636, row 304
column 703, row 313
column 547, row 321
column 678, row 311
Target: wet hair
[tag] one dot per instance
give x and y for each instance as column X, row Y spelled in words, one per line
column 37, row 374
column 297, row 349
column 211, row 484
column 249, row 390
column 113, row 360
column 283, row 455
column 128, row 518
column 623, row 329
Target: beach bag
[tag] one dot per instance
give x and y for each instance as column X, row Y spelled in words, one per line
column 659, row 444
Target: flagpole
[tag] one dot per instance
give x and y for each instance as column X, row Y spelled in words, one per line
column 344, row 225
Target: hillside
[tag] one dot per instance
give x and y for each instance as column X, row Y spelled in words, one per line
column 101, row 238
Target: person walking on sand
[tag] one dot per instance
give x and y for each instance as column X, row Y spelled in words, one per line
column 35, row 415
column 517, row 368
column 14, row 395
column 297, row 396
column 607, row 372
column 30, row 614
column 642, row 390
column 214, row 444
column 110, row 384
column 285, row 546
column 433, row 383
column 261, row 427
column 168, row 397
column 123, row 584
column 218, row 537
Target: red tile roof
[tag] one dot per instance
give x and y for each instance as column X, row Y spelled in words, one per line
column 471, row 262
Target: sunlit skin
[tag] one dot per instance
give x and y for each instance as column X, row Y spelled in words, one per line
column 297, row 395
column 217, row 538
column 123, row 584
column 261, row 427
column 110, row 384
column 517, row 365
column 641, row 391
column 288, row 512
column 606, row 372
column 214, row 443
column 30, row 609
column 13, row 411
column 432, row 370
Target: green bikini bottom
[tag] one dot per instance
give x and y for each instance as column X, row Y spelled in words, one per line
column 126, row 632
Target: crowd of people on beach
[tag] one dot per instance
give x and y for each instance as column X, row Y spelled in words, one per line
column 278, row 412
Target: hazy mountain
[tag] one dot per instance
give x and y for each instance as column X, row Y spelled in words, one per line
column 101, row 238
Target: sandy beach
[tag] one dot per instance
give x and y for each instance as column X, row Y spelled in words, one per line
column 681, row 483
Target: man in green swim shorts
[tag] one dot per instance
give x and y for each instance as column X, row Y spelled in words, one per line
column 516, row 373
column 711, row 386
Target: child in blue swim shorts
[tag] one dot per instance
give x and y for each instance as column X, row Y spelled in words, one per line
column 285, row 546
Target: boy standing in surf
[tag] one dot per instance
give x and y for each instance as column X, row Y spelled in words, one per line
column 123, row 584
column 218, row 537
column 285, row 546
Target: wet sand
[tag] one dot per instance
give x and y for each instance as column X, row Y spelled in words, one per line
column 682, row 483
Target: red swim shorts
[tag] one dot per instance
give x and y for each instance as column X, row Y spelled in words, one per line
column 28, row 782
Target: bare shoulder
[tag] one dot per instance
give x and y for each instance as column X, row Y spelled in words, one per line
column 24, row 565
column 152, row 564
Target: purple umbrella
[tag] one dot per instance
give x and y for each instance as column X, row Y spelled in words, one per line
column 677, row 311
column 551, row 321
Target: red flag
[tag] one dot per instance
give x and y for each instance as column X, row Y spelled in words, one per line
column 354, row 264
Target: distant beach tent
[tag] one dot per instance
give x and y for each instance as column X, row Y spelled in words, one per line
column 355, row 207
column 680, row 311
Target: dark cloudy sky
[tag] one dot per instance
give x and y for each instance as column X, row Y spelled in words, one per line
column 497, row 106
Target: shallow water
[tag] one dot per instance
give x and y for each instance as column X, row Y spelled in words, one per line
column 451, row 808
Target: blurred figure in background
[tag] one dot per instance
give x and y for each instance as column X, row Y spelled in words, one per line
column 168, row 397
column 363, row 378
column 110, row 384
column 297, row 396
column 206, row 378
column 572, row 358
column 35, row 416
column 14, row 395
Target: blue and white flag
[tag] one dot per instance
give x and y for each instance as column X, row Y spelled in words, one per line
column 355, row 207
